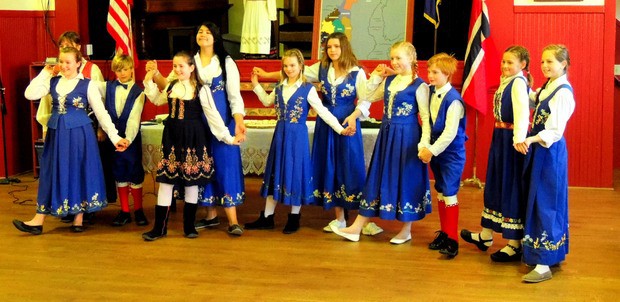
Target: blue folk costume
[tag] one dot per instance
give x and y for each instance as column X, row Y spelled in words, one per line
column 546, row 217
column 185, row 160
column 398, row 183
column 339, row 171
column 127, row 165
column 71, row 178
column 448, row 165
column 288, row 172
column 227, row 188
column 504, row 201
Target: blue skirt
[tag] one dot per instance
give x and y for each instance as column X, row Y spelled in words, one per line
column 338, row 163
column 71, row 179
column 546, row 217
column 504, row 201
column 398, row 184
column 288, row 172
column 227, row 187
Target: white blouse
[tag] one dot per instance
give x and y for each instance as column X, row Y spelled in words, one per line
column 520, row 105
column 184, row 90
column 562, row 106
column 313, row 99
column 40, row 86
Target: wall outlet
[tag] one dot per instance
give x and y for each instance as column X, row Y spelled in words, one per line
column 89, row 49
column 617, row 69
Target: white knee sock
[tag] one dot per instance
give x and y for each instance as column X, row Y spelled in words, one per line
column 270, row 206
column 191, row 194
column 164, row 195
column 295, row 209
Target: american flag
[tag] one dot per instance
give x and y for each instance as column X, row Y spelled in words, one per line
column 119, row 26
column 481, row 59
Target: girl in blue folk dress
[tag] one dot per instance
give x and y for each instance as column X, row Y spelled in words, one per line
column 71, row 179
column 216, row 69
column 186, row 141
column 339, row 171
column 288, row 173
column 545, row 241
column 398, row 185
column 504, row 202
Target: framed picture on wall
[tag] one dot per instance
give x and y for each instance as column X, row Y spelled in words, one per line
column 372, row 26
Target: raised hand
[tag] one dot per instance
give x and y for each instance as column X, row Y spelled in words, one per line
column 259, row 72
column 151, row 65
column 254, row 79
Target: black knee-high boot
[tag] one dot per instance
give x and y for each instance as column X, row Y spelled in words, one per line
column 189, row 217
column 160, row 227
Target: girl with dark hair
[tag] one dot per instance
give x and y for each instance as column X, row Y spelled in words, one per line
column 217, row 70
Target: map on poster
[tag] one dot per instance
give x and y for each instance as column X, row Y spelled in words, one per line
column 372, row 26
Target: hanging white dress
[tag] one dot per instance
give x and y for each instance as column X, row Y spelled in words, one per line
column 256, row 29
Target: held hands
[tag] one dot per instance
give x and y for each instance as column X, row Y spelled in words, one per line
column 425, row 155
column 351, row 123
column 239, row 124
column 254, row 79
column 122, row 145
column 348, row 131
column 238, row 139
column 259, row 72
column 151, row 65
column 524, row 146
column 383, row 70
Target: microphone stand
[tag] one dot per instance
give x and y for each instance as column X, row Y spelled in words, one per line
column 6, row 180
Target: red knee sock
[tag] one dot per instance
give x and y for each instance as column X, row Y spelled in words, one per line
column 441, row 206
column 136, row 193
column 452, row 221
column 123, row 196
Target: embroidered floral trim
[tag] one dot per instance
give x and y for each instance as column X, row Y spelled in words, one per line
column 348, row 91
column 404, row 109
column 543, row 243
column 541, row 117
column 340, row 194
column 85, row 206
column 192, row 168
column 402, row 208
column 506, row 222
column 497, row 106
column 226, row 201
column 296, row 111
column 181, row 109
column 173, row 108
column 77, row 103
column 219, row 87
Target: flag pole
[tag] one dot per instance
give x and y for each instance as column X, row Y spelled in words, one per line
column 474, row 180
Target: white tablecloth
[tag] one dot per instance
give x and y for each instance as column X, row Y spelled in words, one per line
column 254, row 150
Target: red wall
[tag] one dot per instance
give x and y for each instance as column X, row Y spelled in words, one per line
column 589, row 133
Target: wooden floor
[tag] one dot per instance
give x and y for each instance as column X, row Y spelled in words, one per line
column 115, row 264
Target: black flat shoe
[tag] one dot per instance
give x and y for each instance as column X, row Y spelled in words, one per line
column 500, row 256
column 77, row 228
column 32, row 229
column 438, row 242
column 121, row 219
column 206, row 223
column 480, row 244
column 450, row 248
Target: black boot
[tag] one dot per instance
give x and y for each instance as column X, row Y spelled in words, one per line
column 160, row 227
column 450, row 248
column 189, row 216
column 262, row 223
column 292, row 224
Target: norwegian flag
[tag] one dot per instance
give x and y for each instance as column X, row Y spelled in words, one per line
column 481, row 59
column 119, row 26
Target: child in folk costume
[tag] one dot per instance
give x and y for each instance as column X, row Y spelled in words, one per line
column 71, row 179
column 288, row 173
column 92, row 72
column 398, row 183
column 216, row 69
column 545, row 241
column 338, row 161
column 445, row 150
column 504, row 202
column 124, row 101
column 185, row 141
